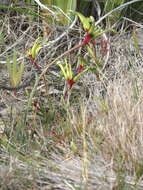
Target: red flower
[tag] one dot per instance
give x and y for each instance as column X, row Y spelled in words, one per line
column 87, row 39
column 79, row 69
column 70, row 83
column 32, row 60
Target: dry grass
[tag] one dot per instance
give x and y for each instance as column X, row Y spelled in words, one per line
column 93, row 142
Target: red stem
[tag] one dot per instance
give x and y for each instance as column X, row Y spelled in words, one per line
column 34, row 63
column 83, row 43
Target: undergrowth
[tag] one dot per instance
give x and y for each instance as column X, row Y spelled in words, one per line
column 74, row 120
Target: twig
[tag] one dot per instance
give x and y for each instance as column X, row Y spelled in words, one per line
column 51, row 43
column 116, row 9
column 44, row 7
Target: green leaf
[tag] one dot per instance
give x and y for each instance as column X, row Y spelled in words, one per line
column 84, row 20
column 91, row 52
column 8, row 64
column 36, row 47
column 14, row 66
column 66, row 70
column 82, row 61
column 62, row 69
column 15, row 71
column 79, row 74
column 20, row 72
column 69, row 71
column 61, row 8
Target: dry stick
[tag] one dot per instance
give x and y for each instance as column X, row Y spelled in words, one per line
column 114, row 10
column 13, row 45
column 51, row 43
column 44, row 7
column 37, row 67
column 137, row 24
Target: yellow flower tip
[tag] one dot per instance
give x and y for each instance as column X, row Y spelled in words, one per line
column 28, row 52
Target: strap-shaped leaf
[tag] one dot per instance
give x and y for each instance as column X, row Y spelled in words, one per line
column 15, row 71
column 79, row 74
column 36, row 47
column 84, row 20
column 62, row 69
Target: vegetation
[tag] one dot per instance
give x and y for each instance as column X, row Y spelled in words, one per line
column 71, row 95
